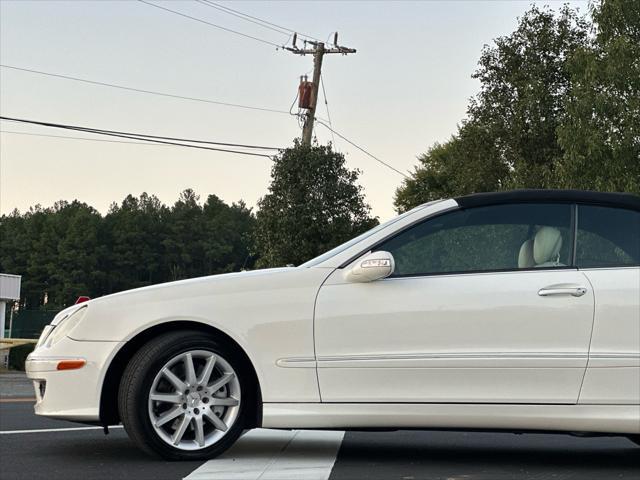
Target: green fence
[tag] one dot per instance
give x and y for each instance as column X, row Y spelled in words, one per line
column 30, row 323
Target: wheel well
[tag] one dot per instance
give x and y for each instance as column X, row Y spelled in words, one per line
column 109, row 414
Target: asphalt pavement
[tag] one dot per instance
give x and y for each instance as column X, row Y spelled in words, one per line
column 409, row 455
column 36, row 448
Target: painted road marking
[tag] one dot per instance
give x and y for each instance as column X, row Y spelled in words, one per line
column 18, row 400
column 48, row 430
column 275, row 455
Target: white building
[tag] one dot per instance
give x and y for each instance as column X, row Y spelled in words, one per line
column 9, row 291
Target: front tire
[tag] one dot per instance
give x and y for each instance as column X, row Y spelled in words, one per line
column 185, row 396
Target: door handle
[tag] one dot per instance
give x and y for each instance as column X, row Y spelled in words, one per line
column 575, row 291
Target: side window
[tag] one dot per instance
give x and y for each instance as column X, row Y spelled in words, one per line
column 500, row 237
column 607, row 237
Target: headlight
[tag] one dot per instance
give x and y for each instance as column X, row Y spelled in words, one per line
column 44, row 335
column 66, row 326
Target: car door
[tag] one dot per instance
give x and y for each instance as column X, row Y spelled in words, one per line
column 608, row 253
column 484, row 306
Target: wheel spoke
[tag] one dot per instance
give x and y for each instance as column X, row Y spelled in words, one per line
column 190, row 369
column 175, row 381
column 199, row 431
column 224, row 402
column 166, row 397
column 221, row 382
column 217, row 422
column 205, row 375
column 169, row 415
column 179, row 433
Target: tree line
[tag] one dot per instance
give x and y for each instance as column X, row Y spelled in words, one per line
column 70, row 249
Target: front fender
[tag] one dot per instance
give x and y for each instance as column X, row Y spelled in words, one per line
column 269, row 316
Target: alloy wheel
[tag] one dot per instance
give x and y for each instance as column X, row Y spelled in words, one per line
column 194, row 400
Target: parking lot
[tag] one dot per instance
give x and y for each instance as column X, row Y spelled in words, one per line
column 37, row 448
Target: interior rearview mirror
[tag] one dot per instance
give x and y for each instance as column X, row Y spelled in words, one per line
column 373, row 266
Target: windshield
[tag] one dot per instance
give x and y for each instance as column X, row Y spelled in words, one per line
column 341, row 248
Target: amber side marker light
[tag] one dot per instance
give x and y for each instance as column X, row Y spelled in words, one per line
column 71, row 364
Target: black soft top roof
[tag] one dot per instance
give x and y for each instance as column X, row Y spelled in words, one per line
column 624, row 200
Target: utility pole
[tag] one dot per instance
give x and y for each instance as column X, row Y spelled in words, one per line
column 307, row 130
column 318, row 51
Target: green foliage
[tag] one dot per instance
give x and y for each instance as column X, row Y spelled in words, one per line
column 134, row 232
column 465, row 163
column 524, row 79
column 313, row 205
column 557, row 108
column 70, row 249
column 601, row 131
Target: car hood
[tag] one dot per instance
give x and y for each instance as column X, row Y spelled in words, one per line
column 180, row 287
column 168, row 289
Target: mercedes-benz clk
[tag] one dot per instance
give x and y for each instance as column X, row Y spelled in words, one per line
column 516, row 311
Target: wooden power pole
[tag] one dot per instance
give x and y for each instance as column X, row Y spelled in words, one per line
column 318, row 51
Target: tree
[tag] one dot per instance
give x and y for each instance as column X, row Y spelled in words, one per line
column 207, row 239
column 14, row 252
column 600, row 133
column 524, row 79
column 509, row 138
column 41, row 255
column 134, row 235
column 465, row 163
column 56, row 250
column 228, row 231
column 184, row 245
column 313, row 205
column 73, row 271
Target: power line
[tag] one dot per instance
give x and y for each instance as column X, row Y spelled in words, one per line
column 66, row 137
column 143, row 137
column 140, row 90
column 361, row 149
column 150, row 143
column 267, row 42
column 160, row 137
column 247, row 18
column 237, row 13
column 326, row 104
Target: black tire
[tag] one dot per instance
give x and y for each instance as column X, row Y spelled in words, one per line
column 137, row 380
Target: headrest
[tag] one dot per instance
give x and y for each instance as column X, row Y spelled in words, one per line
column 546, row 244
column 525, row 257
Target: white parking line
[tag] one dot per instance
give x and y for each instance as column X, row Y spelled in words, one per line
column 47, row 430
column 275, row 455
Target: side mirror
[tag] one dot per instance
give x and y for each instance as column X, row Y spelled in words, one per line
column 373, row 266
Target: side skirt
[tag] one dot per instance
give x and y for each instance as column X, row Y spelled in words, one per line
column 612, row 419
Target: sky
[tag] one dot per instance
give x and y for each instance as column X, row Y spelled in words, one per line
column 407, row 87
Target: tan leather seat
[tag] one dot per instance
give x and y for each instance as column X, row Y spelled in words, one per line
column 542, row 250
column 525, row 257
column 546, row 247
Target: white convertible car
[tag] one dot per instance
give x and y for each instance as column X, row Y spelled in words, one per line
column 515, row 311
